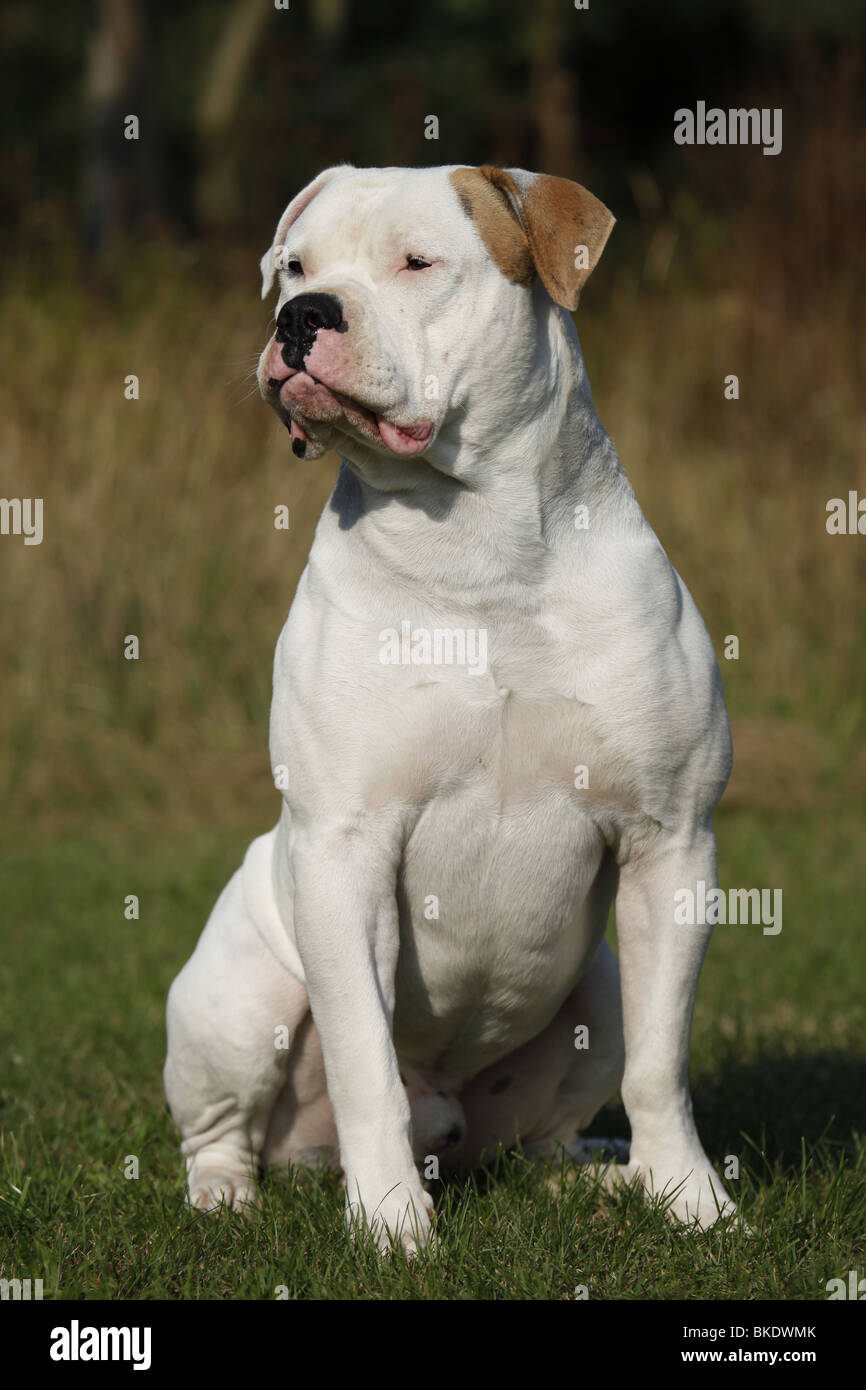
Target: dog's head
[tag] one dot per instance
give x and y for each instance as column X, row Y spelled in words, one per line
column 412, row 303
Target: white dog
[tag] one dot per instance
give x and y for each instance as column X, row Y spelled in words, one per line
column 496, row 712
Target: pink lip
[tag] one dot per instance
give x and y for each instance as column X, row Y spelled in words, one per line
column 404, row 440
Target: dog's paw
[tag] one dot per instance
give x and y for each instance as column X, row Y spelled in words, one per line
column 210, row 1190
column 696, row 1199
column 399, row 1220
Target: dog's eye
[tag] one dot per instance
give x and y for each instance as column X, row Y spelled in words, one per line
column 417, row 263
column 285, row 261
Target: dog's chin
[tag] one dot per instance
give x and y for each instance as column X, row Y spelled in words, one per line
column 314, row 449
column 309, row 438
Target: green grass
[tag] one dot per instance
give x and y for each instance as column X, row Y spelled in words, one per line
column 778, row 1068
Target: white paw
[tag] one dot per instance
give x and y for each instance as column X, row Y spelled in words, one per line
column 399, row 1219
column 697, row 1198
column 208, row 1191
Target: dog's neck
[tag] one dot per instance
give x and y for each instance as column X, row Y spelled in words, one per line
column 505, row 506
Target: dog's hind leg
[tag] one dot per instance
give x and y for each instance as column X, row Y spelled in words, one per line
column 546, row 1091
column 233, row 1014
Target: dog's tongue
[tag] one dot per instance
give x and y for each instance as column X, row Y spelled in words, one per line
column 406, row 439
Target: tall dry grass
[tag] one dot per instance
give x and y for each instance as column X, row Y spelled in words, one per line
column 159, row 512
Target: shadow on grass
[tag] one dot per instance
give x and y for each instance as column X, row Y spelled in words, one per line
column 786, row 1099
column 775, row 1102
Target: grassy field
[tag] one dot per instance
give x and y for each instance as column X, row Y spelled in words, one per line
column 150, row 777
column 778, row 1071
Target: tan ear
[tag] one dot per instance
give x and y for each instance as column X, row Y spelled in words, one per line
column 536, row 222
column 269, row 264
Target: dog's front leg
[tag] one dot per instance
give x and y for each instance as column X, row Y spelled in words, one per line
column 347, row 933
column 660, row 962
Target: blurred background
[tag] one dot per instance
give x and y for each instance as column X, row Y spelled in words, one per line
column 129, row 790
column 125, row 257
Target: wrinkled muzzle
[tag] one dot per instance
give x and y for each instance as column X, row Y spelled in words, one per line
column 325, row 368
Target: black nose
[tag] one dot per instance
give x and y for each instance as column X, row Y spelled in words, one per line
column 299, row 321
column 454, row 1135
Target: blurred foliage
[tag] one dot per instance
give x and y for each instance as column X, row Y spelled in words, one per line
column 337, row 80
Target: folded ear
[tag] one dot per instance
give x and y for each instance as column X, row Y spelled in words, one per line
column 270, row 260
column 536, row 221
